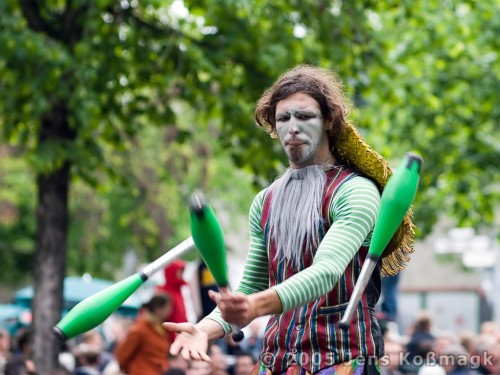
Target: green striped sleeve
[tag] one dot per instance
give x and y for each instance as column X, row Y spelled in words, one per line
column 256, row 271
column 353, row 212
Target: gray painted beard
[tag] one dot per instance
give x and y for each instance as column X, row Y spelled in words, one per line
column 296, row 212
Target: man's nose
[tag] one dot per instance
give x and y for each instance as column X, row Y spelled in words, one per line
column 293, row 126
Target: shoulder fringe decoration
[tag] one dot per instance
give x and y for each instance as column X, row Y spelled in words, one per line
column 349, row 147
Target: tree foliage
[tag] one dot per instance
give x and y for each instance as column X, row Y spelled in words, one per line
column 17, row 224
column 434, row 89
column 149, row 213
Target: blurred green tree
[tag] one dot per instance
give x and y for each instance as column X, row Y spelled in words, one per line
column 17, row 223
column 433, row 86
column 80, row 80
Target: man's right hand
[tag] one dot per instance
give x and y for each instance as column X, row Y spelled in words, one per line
column 190, row 342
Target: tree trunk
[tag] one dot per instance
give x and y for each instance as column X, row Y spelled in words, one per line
column 53, row 188
column 50, row 265
column 50, row 255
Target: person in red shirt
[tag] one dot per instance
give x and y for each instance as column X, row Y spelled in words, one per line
column 173, row 289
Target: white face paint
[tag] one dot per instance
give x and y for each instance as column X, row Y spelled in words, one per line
column 301, row 130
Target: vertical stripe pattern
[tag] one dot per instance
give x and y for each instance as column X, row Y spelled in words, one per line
column 309, row 336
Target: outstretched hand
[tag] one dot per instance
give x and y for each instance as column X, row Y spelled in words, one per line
column 190, row 342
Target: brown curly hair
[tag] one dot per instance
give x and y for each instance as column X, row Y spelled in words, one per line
column 321, row 84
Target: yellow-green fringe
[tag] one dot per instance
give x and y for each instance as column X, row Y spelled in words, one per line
column 350, row 148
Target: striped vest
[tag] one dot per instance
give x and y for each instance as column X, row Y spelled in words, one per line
column 310, row 335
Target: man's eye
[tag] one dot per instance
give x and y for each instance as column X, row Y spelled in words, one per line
column 283, row 118
column 304, row 116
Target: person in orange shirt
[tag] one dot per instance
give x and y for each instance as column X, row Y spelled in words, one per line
column 144, row 349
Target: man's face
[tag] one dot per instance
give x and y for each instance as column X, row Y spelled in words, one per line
column 301, row 130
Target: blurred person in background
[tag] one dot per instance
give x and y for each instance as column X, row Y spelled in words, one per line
column 244, row 364
column 4, row 349
column 434, row 369
column 219, row 361
column 206, row 282
column 253, row 340
column 60, row 371
column 199, row 368
column 442, row 341
column 144, row 349
column 490, row 328
column 95, row 341
column 421, row 336
column 495, row 355
column 479, row 348
column 229, row 346
column 175, row 371
column 20, row 366
column 173, row 288
column 177, row 362
column 87, row 357
column 390, row 364
column 67, row 360
column 20, row 362
column 455, row 361
column 118, row 331
column 468, row 341
column 389, row 303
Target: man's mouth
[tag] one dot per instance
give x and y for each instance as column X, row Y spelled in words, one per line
column 294, row 143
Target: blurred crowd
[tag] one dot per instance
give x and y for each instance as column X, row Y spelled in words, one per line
column 133, row 353
column 428, row 350
column 140, row 346
column 136, row 350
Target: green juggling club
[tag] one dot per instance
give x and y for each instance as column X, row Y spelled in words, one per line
column 95, row 309
column 209, row 239
column 396, row 200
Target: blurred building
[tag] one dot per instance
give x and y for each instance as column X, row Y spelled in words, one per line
column 457, row 290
